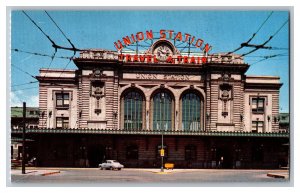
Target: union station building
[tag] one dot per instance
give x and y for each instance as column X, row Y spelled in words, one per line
column 119, row 105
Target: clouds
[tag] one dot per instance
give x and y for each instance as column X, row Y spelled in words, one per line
column 18, row 97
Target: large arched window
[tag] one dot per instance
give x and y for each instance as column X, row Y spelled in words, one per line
column 133, row 111
column 191, row 112
column 162, row 111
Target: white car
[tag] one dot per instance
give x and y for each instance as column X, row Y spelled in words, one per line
column 111, row 164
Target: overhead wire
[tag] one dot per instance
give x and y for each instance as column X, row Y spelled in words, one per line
column 269, row 57
column 263, row 44
column 54, row 45
column 23, row 71
column 39, row 54
column 281, row 54
column 245, row 43
column 68, row 39
column 25, row 88
column 65, row 67
column 35, row 24
column 31, row 82
column 52, row 59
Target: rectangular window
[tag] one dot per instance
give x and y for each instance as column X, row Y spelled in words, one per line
column 62, row 99
column 258, row 105
column 62, row 122
column 257, row 126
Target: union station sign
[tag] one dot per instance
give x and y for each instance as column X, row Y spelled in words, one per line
column 163, row 50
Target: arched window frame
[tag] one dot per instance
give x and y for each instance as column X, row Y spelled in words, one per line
column 172, row 109
column 123, row 109
column 201, row 108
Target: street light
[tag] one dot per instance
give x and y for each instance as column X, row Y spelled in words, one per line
column 162, row 96
column 24, row 139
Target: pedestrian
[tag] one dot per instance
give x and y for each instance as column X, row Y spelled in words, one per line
column 221, row 162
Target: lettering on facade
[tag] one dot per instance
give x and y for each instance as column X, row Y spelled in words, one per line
column 162, row 76
column 163, row 34
column 146, row 76
column 170, row 59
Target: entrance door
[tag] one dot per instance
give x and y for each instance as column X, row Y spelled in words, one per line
column 95, row 155
column 224, row 158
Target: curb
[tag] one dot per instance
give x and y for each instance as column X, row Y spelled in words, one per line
column 50, row 173
column 276, row 175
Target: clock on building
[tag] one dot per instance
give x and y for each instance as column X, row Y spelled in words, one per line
column 162, row 52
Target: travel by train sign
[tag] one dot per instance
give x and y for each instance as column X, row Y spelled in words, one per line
column 140, row 58
column 164, row 46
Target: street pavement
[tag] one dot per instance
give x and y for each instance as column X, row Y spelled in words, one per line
column 144, row 177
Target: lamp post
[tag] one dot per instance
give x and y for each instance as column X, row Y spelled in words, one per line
column 162, row 133
column 24, row 139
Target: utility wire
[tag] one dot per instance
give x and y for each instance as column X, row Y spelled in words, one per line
column 257, row 47
column 264, row 22
column 277, row 48
column 65, row 67
column 31, row 82
column 62, row 32
column 245, row 43
column 40, row 54
column 282, row 54
column 268, row 57
column 52, row 58
column 242, row 45
column 280, row 28
column 263, row 44
column 23, row 71
column 54, row 45
column 25, row 88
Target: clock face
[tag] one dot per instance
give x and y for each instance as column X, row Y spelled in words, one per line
column 162, row 52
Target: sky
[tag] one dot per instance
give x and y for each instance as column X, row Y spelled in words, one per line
column 224, row 30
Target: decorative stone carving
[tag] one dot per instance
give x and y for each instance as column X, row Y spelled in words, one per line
column 98, row 94
column 225, row 96
column 97, row 74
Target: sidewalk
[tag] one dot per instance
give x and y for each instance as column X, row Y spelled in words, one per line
column 34, row 172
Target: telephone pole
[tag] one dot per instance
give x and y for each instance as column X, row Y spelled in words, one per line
column 23, row 136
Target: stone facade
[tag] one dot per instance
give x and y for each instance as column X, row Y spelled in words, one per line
column 95, row 94
column 92, row 99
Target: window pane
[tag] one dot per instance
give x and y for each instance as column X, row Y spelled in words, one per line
column 65, row 123
column 191, row 112
column 59, row 96
column 258, row 105
column 257, row 126
column 162, row 111
column 58, row 122
column 66, row 96
column 133, row 110
column 66, row 102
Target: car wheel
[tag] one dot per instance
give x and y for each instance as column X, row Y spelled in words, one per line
column 111, row 168
column 101, row 168
column 119, row 168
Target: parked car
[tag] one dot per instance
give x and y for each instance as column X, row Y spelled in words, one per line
column 111, row 164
